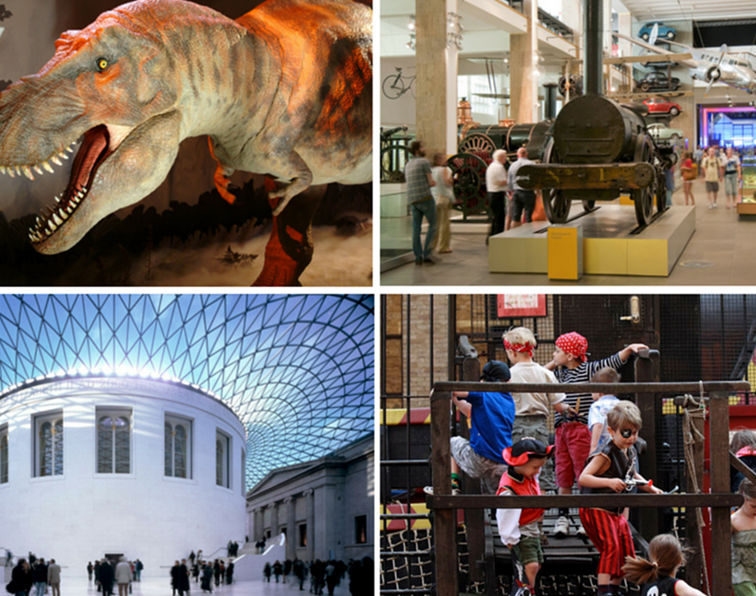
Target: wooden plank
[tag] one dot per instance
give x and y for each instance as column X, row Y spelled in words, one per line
column 742, row 468
column 444, row 521
column 721, row 583
column 439, row 502
column 644, row 94
column 686, row 387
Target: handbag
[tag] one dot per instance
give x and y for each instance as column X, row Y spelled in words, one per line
column 688, row 175
column 11, row 587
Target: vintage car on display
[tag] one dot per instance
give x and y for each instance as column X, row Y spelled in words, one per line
column 658, row 81
column 664, row 46
column 664, row 32
column 664, row 133
column 660, row 105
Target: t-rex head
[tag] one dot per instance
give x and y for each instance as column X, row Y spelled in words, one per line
column 113, row 86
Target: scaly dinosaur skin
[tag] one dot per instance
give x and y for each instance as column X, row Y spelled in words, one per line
column 284, row 90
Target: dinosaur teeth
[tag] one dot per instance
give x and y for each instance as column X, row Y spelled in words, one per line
column 57, row 219
column 10, row 172
column 63, row 155
column 18, row 170
column 51, row 226
column 69, row 148
column 27, row 172
column 2, row 169
column 37, row 169
column 56, row 161
column 63, row 214
column 45, row 164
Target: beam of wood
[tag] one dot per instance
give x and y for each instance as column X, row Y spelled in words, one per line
column 613, row 388
column 644, row 94
column 440, row 502
column 444, row 522
column 719, row 426
column 742, row 468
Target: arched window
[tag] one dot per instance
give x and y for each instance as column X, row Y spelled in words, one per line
column 49, row 445
column 113, row 441
column 178, row 447
column 3, row 455
column 222, row 456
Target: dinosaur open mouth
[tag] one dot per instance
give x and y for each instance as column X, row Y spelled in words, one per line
column 95, row 148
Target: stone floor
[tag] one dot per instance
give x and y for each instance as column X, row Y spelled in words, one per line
column 723, row 242
column 160, row 586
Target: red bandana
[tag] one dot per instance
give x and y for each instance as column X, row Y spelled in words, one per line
column 573, row 343
column 526, row 347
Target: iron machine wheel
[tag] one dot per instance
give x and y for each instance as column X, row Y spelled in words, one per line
column 555, row 204
column 393, row 159
column 469, row 183
column 644, row 197
column 478, row 143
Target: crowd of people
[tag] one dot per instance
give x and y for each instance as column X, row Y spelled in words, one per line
column 716, row 166
column 595, row 437
column 32, row 576
column 324, row 575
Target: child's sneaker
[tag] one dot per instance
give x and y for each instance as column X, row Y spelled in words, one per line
column 562, row 527
column 581, row 531
column 428, row 490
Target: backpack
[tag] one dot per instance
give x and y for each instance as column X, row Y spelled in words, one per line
column 11, row 587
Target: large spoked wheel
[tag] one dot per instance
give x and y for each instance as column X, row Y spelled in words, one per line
column 469, row 184
column 477, row 143
column 555, row 204
column 644, row 197
column 661, row 191
column 393, row 86
column 393, row 160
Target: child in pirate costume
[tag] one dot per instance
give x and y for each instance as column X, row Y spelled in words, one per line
column 613, row 470
column 572, row 435
column 518, row 528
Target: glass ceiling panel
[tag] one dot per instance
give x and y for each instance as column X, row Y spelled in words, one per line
column 298, row 369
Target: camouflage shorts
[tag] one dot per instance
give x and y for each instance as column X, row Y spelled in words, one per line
column 538, row 428
column 476, row 466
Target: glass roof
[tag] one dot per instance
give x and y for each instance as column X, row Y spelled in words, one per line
column 297, row 369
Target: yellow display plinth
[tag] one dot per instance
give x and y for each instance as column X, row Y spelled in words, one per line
column 565, row 252
column 626, row 200
column 609, row 247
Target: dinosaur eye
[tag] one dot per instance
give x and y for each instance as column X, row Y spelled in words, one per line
column 102, row 64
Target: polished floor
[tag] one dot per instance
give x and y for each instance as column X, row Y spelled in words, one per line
column 719, row 253
column 160, row 586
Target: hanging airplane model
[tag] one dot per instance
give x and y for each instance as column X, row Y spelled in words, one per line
column 708, row 65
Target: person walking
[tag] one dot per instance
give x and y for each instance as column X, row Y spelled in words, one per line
column 207, row 578
column 53, row 577
column 496, row 187
column 123, row 576
column 443, row 194
column 419, row 179
column 21, row 579
column 90, row 568
column 39, row 573
column 522, row 200
column 106, row 578
column 183, row 579
column 713, row 172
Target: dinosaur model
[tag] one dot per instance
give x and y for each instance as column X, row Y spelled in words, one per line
column 285, row 90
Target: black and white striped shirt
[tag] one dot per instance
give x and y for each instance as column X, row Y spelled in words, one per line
column 582, row 374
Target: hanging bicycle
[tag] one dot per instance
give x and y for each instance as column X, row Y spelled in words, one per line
column 396, row 85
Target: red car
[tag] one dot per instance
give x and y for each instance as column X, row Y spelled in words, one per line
column 659, row 105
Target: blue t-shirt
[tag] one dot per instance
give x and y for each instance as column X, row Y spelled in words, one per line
column 491, row 421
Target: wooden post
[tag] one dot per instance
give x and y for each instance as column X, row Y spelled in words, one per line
column 474, row 518
column 444, row 520
column 721, row 578
column 646, row 372
column 694, row 565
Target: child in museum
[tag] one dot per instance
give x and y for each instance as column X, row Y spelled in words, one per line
column 573, row 438
column 602, row 403
column 743, row 445
column 531, row 409
column 657, row 574
column 518, row 528
column 613, row 470
column 491, row 415
column 743, row 523
column 688, row 176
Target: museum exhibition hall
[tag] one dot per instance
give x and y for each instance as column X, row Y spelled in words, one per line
column 637, row 115
column 152, row 426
